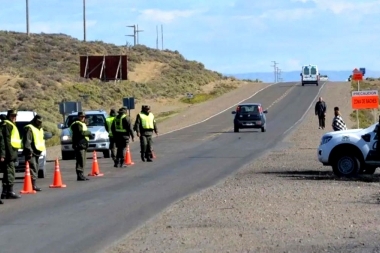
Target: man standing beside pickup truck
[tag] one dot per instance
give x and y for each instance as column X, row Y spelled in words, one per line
column 12, row 143
column 108, row 125
column 122, row 130
column 80, row 139
column 34, row 145
column 320, row 111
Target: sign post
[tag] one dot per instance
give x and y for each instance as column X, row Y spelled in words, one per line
column 129, row 103
column 365, row 99
column 357, row 75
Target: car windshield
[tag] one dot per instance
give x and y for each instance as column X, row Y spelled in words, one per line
column 91, row 120
column 249, row 109
column 306, row 71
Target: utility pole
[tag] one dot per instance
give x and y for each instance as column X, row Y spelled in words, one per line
column 278, row 74
column 162, row 37
column 84, row 20
column 134, row 34
column 27, row 17
column 157, row 37
column 275, row 70
column 137, row 33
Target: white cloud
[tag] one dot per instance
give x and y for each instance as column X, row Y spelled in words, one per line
column 294, row 14
column 344, row 6
column 166, row 16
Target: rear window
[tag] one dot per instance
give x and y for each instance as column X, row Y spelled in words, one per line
column 313, row 70
column 306, row 71
column 91, row 120
column 249, row 109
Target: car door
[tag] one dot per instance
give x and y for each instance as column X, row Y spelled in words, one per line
column 372, row 154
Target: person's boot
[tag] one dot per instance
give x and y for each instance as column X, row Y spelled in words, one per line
column 1, row 202
column 115, row 163
column 148, row 159
column 4, row 191
column 35, row 186
column 81, row 177
column 11, row 194
column 142, row 157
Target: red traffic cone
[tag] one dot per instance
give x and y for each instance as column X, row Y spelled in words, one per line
column 95, row 172
column 153, row 154
column 128, row 158
column 57, row 180
column 28, row 188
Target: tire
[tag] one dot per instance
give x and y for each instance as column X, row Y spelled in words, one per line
column 106, row 154
column 263, row 129
column 236, row 129
column 68, row 155
column 369, row 170
column 346, row 165
column 303, row 84
column 41, row 174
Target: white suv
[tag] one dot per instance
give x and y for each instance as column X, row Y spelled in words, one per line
column 350, row 152
column 23, row 119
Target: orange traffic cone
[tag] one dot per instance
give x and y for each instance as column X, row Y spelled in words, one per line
column 153, row 155
column 57, row 180
column 28, row 188
column 95, row 172
column 128, row 158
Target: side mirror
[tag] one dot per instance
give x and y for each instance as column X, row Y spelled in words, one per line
column 233, row 112
column 60, row 126
column 300, row 74
column 47, row 135
column 266, row 111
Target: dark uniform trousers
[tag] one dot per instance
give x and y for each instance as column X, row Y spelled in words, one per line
column 33, row 166
column 121, row 145
column 146, row 142
column 322, row 120
column 112, row 147
column 9, row 173
column 80, row 156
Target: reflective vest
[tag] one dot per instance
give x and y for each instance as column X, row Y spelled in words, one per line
column 147, row 121
column 119, row 124
column 15, row 135
column 84, row 127
column 109, row 121
column 38, row 137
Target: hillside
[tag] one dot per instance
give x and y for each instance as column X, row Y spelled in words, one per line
column 40, row 71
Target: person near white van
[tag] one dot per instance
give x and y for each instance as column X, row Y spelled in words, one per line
column 34, row 145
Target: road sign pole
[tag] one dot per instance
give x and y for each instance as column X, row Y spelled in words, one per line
column 357, row 110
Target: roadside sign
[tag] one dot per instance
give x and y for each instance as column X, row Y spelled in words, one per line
column 365, row 99
column 357, row 75
column 363, row 71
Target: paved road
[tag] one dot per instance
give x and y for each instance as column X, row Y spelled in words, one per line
column 89, row 216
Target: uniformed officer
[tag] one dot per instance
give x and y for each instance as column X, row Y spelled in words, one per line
column 108, row 125
column 80, row 139
column 2, row 149
column 122, row 130
column 145, row 124
column 12, row 143
column 34, row 145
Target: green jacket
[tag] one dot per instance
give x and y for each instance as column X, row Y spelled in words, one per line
column 11, row 153
column 2, row 145
column 139, row 129
column 78, row 136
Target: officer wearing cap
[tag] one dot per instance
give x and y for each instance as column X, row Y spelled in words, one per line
column 12, row 141
column 108, row 125
column 34, row 145
column 2, row 148
column 122, row 130
column 80, row 139
column 145, row 125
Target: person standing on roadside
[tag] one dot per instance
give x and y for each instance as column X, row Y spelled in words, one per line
column 108, row 125
column 145, row 125
column 320, row 111
column 80, row 139
column 338, row 123
column 12, row 142
column 2, row 149
column 122, row 130
column 34, row 145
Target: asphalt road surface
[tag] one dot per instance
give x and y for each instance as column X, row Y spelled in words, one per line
column 90, row 216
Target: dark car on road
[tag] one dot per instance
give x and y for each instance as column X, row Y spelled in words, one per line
column 250, row 115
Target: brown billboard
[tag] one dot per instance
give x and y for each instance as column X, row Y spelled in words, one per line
column 114, row 67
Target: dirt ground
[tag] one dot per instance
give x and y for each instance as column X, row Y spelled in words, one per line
column 285, row 201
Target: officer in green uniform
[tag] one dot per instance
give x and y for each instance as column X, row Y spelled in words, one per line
column 80, row 139
column 145, row 124
column 108, row 125
column 12, row 143
column 122, row 130
column 2, row 149
column 34, row 144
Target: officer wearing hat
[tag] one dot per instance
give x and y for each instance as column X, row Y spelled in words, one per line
column 12, row 142
column 34, row 145
column 145, row 125
column 2, row 148
column 122, row 130
column 80, row 139
column 108, row 125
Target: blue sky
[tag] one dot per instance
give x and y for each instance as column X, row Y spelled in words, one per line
column 229, row 36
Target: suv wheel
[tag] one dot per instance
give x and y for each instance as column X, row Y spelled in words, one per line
column 346, row 165
column 236, row 128
column 106, row 154
column 263, row 129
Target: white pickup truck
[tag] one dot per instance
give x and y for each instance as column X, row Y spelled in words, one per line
column 350, row 152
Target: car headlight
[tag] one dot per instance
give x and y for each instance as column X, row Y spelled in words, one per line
column 325, row 139
column 66, row 138
column 103, row 136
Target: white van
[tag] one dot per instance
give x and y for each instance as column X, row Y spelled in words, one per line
column 23, row 119
column 310, row 75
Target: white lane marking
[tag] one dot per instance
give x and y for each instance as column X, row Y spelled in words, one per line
column 218, row 112
column 308, row 109
column 282, row 96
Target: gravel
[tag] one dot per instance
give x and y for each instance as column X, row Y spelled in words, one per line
column 285, row 201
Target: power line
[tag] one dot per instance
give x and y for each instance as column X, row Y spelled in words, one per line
column 275, row 70
column 134, row 34
column 137, row 33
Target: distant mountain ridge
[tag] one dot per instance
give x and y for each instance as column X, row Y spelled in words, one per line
column 290, row 76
